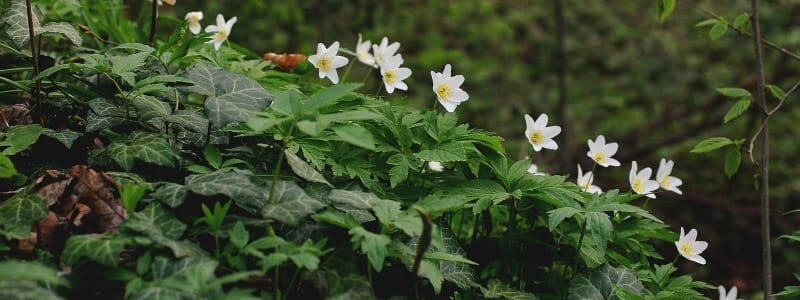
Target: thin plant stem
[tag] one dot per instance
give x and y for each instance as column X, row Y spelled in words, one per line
column 347, row 71
column 766, row 247
column 577, row 257
column 380, row 87
column 216, row 244
column 121, row 93
column 291, row 282
column 35, row 55
column 369, row 277
column 369, row 72
column 153, row 18
column 766, row 119
column 278, row 166
column 277, row 283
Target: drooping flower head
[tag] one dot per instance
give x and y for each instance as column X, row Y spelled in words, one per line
column 585, row 182
column 667, row 182
column 327, row 61
column 601, row 152
column 534, row 169
column 384, row 51
column 193, row 18
column 161, row 2
column 730, row 295
column 393, row 75
column 539, row 134
column 221, row 31
column 641, row 182
column 690, row 248
column 362, row 52
column 435, row 166
column 448, row 89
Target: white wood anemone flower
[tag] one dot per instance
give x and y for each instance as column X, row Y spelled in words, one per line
column 193, row 19
column 690, row 248
column 585, row 182
column 435, row 166
column 448, row 88
column 539, row 134
column 393, row 75
column 602, row 153
column 383, row 51
column 221, row 31
column 730, row 295
column 534, row 169
column 362, row 52
column 667, row 182
column 641, row 182
column 327, row 61
column 161, row 2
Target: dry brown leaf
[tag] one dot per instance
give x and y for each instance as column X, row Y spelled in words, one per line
column 16, row 114
column 98, row 191
column 285, row 61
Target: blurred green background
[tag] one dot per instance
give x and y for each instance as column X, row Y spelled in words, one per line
column 646, row 85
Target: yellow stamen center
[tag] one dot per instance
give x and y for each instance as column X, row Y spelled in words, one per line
column 536, row 137
column 390, row 77
column 221, row 34
column 325, row 64
column 665, row 182
column 637, row 186
column 686, row 249
column 444, row 91
column 599, row 158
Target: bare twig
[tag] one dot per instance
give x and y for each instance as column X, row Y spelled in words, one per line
column 37, row 93
column 766, row 248
column 763, row 41
column 154, row 17
column 766, row 118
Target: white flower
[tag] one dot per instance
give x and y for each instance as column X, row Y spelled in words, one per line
column 448, row 88
column 393, row 75
column 585, row 182
column 435, row 166
column 730, row 295
column 327, row 61
column 641, row 183
column 193, row 18
column 362, row 52
column 670, row 183
column 534, row 169
column 221, row 31
column 384, row 51
column 539, row 134
column 161, row 2
column 601, row 152
column 690, row 248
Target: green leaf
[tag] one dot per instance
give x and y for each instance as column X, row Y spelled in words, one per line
column 737, row 109
column 144, row 146
column 355, row 135
column 303, row 169
column 25, row 290
column 18, row 138
column 20, row 213
column 741, row 21
column 290, row 204
column 234, row 183
column 732, row 160
column 776, row 92
column 160, row 293
column 431, row 271
column 30, row 271
column 16, row 16
column 61, row 28
column 7, row 169
column 558, row 215
column 162, row 228
column 734, row 92
column 711, row 144
column 497, row 289
column 148, row 107
column 65, row 136
column 103, row 249
column 288, row 103
column 445, row 152
column 600, row 226
column 103, row 114
column 239, row 235
column 338, row 218
column 386, row 210
column 718, row 30
column 665, row 8
column 212, row 156
column 190, row 120
column 231, row 97
column 600, row 283
column 372, row 244
column 329, row 95
column 706, row 22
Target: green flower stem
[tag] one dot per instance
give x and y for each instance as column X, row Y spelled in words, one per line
column 278, row 165
column 291, row 282
column 367, row 76
column 153, row 18
column 578, row 252
column 347, row 71
column 380, row 87
column 121, row 92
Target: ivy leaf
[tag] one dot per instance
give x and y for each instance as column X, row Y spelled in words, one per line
column 160, row 293
column 103, row 114
column 103, row 249
column 356, row 204
column 303, row 169
column 30, row 271
column 148, row 147
column 372, row 244
column 234, row 183
column 149, row 107
column 7, row 169
column 16, row 16
column 171, row 194
column 25, row 290
column 600, row 283
column 231, row 97
column 18, row 138
column 19, row 213
column 445, row 152
column 65, row 136
column 162, row 228
column 290, row 204
column 497, row 289
column 189, row 119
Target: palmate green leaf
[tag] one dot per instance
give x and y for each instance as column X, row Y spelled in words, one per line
column 355, row 135
column 558, row 215
column 371, row 244
column 600, row 283
column 144, row 146
column 290, row 204
column 103, row 114
column 444, row 152
column 65, row 136
column 496, row 289
column 600, row 226
column 171, row 194
column 30, row 271
column 288, row 103
column 19, row 213
column 25, row 290
column 103, row 249
column 234, row 183
column 303, row 169
column 16, row 16
column 401, row 166
column 18, row 138
column 231, row 97
column 329, row 95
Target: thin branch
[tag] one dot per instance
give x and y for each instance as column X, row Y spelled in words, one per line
column 766, row 118
column 766, row 247
column 763, row 41
column 35, row 54
column 154, row 17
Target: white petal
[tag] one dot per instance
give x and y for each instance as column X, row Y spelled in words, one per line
column 459, row 95
column 322, row 74
column 722, row 294
column 733, row 293
column 692, row 235
column 401, row 85
column 389, row 87
column 601, row 140
column 550, row 144
column 698, row 259
column 403, row 73
column 195, row 27
column 217, row 43
column 333, row 76
column 612, row 162
column 611, row 149
column 632, row 174
column 551, row 132
column 435, row 77
column 699, row 247
column 541, row 121
column 220, row 21
column 339, row 61
column 455, row 81
column 662, row 171
column 651, row 196
column 446, row 71
column 645, row 173
column 333, row 49
column 321, row 49
column 449, row 106
column 212, row 28
column 229, row 24
column 650, row 185
column 528, row 124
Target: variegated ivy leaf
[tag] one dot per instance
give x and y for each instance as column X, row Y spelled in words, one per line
column 230, row 97
column 103, row 114
column 19, row 213
column 162, row 228
column 602, row 282
column 143, row 146
column 496, row 289
column 65, row 136
column 303, row 169
column 171, row 194
column 103, row 249
column 234, row 183
column 25, row 290
column 16, row 16
column 290, row 204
